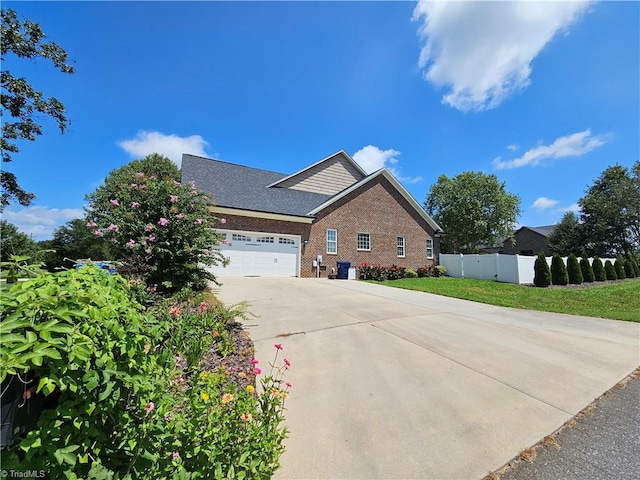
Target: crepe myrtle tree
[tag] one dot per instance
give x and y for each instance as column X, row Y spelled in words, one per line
column 162, row 229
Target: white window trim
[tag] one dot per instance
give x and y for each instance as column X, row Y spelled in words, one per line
column 403, row 246
column 332, row 241
column 429, row 248
column 357, row 242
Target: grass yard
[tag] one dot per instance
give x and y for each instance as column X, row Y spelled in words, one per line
column 616, row 300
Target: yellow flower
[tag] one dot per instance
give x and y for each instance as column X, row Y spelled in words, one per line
column 242, row 375
column 250, row 389
column 275, row 392
column 205, row 396
column 246, row 417
column 284, row 394
column 227, row 397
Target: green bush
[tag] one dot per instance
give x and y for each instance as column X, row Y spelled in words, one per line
column 408, row 273
column 431, row 271
column 542, row 274
column 558, row 271
column 599, row 273
column 121, row 408
column 573, row 270
column 620, row 269
column 610, row 270
column 630, row 267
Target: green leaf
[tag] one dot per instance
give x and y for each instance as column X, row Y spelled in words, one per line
column 107, row 391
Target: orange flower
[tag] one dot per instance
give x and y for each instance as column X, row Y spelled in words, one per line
column 284, row 394
column 215, row 334
column 242, row 375
column 227, row 397
column 246, row 417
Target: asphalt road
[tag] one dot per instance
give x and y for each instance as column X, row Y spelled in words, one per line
column 395, row 384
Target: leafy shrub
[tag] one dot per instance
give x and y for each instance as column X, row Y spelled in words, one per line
column 542, row 274
column 630, row 267
column 394, row 272
column 558, row 271
column 408, row 273
column 588, row 274
column 121, row 409
column 573, row 270
column 610, row 270
column 599, row 273
column 372, row 272
column 431, row 271
column 619, row 266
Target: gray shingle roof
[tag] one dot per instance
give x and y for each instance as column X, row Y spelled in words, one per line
column 237, row 186
column 544, row 230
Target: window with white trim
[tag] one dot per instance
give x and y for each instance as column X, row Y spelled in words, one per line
column 332, row 241
column 400, row 246
column 240, row 238
column 265, row 240
column 286, row 241
column 363, row 242
column 429, row 248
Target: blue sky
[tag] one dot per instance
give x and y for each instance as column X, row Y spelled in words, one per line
column 544, row 95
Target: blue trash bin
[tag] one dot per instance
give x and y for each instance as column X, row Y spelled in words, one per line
column 343, row 270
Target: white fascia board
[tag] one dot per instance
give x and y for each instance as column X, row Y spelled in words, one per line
column 346, row 155
column 257, row 214
column 397, row 185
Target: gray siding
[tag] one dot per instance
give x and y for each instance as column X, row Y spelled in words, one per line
column 328, row 178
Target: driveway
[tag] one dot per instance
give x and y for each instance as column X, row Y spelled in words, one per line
column 395, row 384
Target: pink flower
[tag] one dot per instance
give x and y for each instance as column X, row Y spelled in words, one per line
column 150, row 406
column 203, row 305
column 140, row 175
column 176, row 358
column 287, row 363
column 134, row 185
column 223, row 221
column 257, row 371
column 175, row 455
column 288, row 385
column 98, row 233
column 163, row 222
column 151, row 238
column 199, row 221
column 112, row 228
column 143, row 187
column 114, row 202
column 180, row 216
column 173, row 198
column 130, row 243
column 176, row 183
column 175, row 311
column 135, row 205
column 92, row 224
column 278, row 346
column 254, row 361
column 148, row 227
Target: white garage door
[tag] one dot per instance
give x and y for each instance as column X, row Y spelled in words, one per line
column 259, row 254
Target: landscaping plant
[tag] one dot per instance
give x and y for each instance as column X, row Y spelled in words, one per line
column 588, row 274
column 630, row 267
column 620, row 270
column 598, row 270
column 558, row 271
column 573, row 270
column 610, row 270
column 542, row 274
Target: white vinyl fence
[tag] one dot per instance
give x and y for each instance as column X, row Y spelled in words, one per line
column 495, row 266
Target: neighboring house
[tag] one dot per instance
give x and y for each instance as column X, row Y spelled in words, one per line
column 278, row 225
column 528, row 241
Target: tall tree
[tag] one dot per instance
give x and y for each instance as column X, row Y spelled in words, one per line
column 611, row 211
column 473, row 209
column 23, row 103
column 567, row 237
column 14, row 242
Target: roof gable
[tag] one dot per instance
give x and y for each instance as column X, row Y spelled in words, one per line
column 386, row 174
column 545, row 230
column 329, row 176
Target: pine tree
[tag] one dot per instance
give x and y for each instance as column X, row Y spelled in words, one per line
column 588, row 275
column 558, row 271
column 598, row 270
column 573, row 270
column 542, row 277
column 619, row 266
column 629, row 271
column 610, row 270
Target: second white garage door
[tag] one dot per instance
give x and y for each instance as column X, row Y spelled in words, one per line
column 259, row 254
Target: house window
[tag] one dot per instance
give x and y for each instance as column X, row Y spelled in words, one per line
column 400, row 245
column 332, row 241
column 265, row 239
column 364, row 242
column 286, row 241
column 240, row 238
column 429, row 248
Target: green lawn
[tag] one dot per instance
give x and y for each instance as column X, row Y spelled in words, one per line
column 617, row 300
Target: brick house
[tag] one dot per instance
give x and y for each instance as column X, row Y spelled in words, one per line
column 278, row 225
column 529, row 241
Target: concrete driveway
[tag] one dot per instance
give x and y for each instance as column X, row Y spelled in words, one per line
column 394, row 384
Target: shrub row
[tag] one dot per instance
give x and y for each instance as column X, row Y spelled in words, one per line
column 394, row 272
column 577, row 272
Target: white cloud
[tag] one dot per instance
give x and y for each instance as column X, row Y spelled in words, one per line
column 40, row 221
column 171, row 146
column 574, row 145
column 482, row 51
column 372, row 158
column 513, row 148
column 543, row 203
column 574, row 207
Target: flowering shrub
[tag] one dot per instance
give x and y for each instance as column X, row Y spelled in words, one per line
column 161, row 228
column 120, row 407
column 431, row 271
